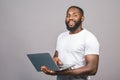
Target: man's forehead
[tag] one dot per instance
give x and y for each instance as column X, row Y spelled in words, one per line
column 73, row 10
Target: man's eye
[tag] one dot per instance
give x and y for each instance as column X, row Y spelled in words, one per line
column 68, row 16
column 75, row 15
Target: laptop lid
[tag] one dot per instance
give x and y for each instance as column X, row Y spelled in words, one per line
column 42, row 59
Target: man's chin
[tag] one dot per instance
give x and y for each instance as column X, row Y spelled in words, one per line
column 70, row 28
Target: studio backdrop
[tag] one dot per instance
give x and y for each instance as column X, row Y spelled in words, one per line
column 32, row 26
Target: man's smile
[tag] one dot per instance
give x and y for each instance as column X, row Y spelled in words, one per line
column 71, row 23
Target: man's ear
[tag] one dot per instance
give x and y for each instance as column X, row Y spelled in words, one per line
column 82, row 18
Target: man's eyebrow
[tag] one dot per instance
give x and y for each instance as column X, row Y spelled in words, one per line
column 73, row 13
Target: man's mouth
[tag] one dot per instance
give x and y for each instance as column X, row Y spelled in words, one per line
column 71, row 23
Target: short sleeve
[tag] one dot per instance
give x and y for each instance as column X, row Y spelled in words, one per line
column 91, row 45
column 57, row 47
column 58, row 41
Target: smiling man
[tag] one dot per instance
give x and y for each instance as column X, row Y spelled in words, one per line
column 76, row 46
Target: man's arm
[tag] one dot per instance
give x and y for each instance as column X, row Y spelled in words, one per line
column 89, row 69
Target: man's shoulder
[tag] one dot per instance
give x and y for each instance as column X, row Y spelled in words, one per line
column 64, row 33
column 88, row 33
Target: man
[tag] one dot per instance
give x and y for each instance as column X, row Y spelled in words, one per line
column 76, row 46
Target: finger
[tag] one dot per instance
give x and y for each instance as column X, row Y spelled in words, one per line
column 59, row 62
column 43, row 68
column 47, row 70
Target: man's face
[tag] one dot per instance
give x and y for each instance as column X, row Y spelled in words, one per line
column 73, row 19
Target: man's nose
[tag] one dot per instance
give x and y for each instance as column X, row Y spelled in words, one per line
column 71, row 17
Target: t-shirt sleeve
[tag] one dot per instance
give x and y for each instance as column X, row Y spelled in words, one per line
column 91, row 45
column 57, row 43
column 57, row 48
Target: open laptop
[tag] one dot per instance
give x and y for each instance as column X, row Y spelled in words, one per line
column 44, row 59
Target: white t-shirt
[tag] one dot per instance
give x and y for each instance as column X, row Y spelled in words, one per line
column 73, row 47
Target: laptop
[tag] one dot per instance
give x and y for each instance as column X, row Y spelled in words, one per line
column 45, row 59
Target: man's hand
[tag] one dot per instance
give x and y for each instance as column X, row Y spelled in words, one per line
column 47, row 71
column 57, row 60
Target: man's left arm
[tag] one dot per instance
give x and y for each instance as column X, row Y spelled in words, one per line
column 89, row 69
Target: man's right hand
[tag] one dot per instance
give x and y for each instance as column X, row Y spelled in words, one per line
column 57, row 60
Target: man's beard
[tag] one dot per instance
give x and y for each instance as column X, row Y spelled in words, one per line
column 77, row 24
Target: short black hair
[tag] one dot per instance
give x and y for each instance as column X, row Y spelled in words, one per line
column 80, row 9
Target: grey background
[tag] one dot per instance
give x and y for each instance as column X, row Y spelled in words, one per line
column 31, row 26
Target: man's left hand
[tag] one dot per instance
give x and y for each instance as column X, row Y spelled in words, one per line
column 48, row 71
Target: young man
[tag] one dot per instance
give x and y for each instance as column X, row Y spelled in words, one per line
column 76, row 46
